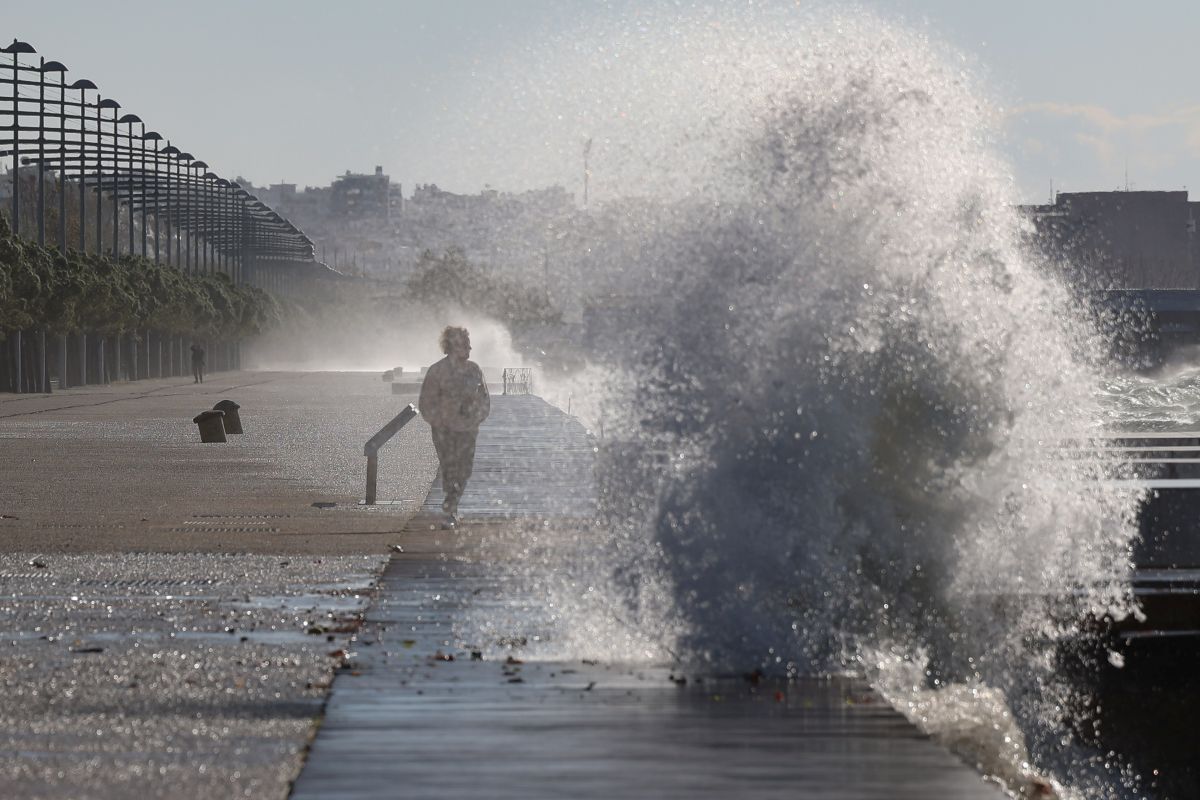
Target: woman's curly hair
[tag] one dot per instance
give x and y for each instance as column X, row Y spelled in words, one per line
column 452, row 334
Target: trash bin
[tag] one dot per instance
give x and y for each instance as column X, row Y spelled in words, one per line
column 389, row 375
column 233, row 422
column 212, row 426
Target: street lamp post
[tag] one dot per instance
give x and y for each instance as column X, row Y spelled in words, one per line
column 41, row 160
column 129, row 119
column 82, row 85
column 203, row 236
column 114, row 177
column 16, row 48
column 54, row 66
column 170, row 152
column 239, row 213
column 101, row 104
column 42, row 383
column 187, row 213
column 223, row 223
column 151, row 136
column 62, row 208
column 156, row 137
column 185, row 159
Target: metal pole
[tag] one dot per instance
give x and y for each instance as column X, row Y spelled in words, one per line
column 170, row 207
column 99, row 179
column 187, row 207
column 41, row 195
column 17, row 48
column 44, row 377
column 62, row 161
column 372, row 477
column 16, row 176
column 18, row 373
column 210, row 254
column 129, row 184
column 157, row 211
column 116, row 194
column 192, row 212
column 40, row 353
column 82, row 172
column 142, row 183
column 223, row 202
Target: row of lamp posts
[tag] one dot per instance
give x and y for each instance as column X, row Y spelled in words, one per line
column 207, row 223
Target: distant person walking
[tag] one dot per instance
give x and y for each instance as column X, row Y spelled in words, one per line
column 455, row 401
column 198, row 363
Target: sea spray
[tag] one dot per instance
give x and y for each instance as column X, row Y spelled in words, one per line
column 831, row 416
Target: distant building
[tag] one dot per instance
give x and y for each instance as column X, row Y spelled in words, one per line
column 1123, row 240
column 359, row 196
column 286, row 192
column 363, row 223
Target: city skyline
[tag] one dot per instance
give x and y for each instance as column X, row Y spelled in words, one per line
column 1091, row 98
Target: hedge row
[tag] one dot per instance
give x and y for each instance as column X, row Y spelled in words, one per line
column 42, row 288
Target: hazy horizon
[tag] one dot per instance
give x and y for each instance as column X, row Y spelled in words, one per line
column 1092, row 98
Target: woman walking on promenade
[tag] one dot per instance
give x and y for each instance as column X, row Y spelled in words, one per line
column 454, row 401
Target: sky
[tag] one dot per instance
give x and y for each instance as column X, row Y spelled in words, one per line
column 1094, row 95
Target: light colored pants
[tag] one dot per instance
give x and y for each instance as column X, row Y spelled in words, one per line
column 456, row 455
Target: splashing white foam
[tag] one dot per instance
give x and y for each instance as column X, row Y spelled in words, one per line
column 830, row 422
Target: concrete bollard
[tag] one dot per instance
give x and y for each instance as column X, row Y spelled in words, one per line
column 212, row 426
column 233, row 422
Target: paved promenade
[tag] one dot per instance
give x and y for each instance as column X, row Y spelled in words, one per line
column 174, row 611
column 121, row 467
column 176, row 614
column 430, row 711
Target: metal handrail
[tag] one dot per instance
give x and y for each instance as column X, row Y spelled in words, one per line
column 376, row 442
column 518, row 380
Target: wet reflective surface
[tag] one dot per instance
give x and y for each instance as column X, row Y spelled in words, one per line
column 434, row 703
column 122, row 674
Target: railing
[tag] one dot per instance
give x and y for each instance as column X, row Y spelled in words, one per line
column 518, row 380
column 375, row 443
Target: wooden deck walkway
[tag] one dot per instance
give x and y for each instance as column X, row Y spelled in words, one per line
column 419, row 715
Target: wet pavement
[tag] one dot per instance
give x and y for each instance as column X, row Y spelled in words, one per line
column 173, row 612
column 176, row 613
column 168, row 675
column 532, row 461
column 427, row 714
column 435, row 707
column 121, row 467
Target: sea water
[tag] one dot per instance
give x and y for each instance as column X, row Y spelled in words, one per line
column 831, row 411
